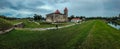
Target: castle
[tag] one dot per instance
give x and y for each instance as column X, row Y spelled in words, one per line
column 57, row 17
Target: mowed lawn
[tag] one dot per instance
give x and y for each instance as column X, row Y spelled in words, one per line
column 93, row 34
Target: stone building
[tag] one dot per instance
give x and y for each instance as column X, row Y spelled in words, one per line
column 57, row 17
column 76, row 20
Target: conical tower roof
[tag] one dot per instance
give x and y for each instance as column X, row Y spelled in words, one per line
column 65, row 9
column 57, row 12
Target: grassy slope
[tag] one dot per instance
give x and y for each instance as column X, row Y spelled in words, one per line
column 29, row 24
column 42, row 25
column 34, row 25
column 4, row 24
column 89, row 35
column 102, row 36
column 117, row 21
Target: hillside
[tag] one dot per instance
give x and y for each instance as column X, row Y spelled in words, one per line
column 93, row 34
column 4, row 24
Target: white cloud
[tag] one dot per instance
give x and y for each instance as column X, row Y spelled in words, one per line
column 46, row 7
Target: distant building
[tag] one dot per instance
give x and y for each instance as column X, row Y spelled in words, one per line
column 76, row 20
column 57, row 17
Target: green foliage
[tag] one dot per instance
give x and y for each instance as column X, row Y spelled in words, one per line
column 37, row 17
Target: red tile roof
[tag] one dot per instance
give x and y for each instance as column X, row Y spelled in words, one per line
column 76, row 19
column 57, row 12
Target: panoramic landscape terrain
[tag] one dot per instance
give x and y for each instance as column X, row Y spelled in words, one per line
column 62, row 24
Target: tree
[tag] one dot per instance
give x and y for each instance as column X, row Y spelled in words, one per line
column 71, row 17
column 37, row 17
column 77, row 17
column 2, row 16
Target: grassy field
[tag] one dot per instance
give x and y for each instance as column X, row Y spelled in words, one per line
column 94, row 34
column 41, row 24
column 29, row 24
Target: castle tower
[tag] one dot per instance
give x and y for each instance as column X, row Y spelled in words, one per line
column 66, row 11
column 66, row 14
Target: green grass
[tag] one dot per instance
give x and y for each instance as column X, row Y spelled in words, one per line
column 4, row 24
column 41, row 25
column 117, row 21
column 102, row 36
column 16, row 21
column 94, row 34
column 29, row 24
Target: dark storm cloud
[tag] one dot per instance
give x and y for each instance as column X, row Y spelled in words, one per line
column 25, row 8
column 112, row 5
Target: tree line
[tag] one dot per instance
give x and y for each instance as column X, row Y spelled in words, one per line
column 37, row 17
column 72, row 16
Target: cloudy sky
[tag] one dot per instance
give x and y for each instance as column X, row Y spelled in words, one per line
column 27, row 8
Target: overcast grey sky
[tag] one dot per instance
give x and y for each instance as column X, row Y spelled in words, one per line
column 26, row 8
